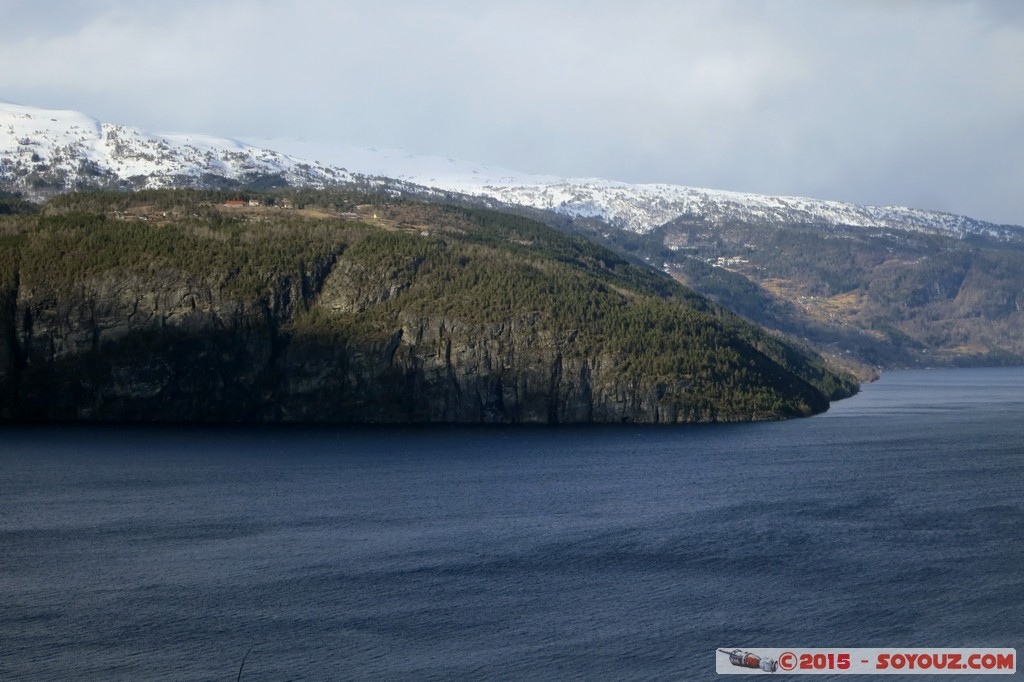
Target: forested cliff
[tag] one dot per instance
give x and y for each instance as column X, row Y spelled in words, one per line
column 172, row 306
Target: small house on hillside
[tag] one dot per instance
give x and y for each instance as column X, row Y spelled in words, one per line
column 235, row 202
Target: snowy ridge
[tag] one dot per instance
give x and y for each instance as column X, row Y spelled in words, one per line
column 61, row 150
column 644, row 207
column 635, row 207
column 46, row 151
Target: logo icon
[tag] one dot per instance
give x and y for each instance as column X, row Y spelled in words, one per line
column 745, row 659
column 787, row 661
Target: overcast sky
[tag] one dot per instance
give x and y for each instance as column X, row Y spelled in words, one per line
column 912, row 102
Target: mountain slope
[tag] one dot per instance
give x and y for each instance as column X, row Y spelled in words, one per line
column 171, row 306
column 637, row 208
column 641, row 208
column 879, row 286
column 43, row 152
column 46, row 151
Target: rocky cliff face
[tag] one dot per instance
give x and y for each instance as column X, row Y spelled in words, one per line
column 173, row 348
column 435, row 370
column 165, row 347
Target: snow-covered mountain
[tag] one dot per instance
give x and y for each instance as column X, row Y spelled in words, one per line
column 45, row 151
column 635, row 207
column 42, row 151
column 641, row 208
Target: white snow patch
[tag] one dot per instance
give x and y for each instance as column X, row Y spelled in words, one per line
column 36, row 140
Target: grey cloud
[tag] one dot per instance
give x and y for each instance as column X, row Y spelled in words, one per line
column 918, row 102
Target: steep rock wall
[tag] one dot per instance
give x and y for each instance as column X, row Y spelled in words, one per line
column 171, row 347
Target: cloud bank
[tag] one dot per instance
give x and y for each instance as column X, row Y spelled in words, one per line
column 917, row 103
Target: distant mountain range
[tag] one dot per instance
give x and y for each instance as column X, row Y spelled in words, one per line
column 879, row 286
column 43, row 152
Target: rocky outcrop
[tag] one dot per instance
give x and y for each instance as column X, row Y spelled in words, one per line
column 173, row 347
column 9, row 352
column 438, row 370
column 123, row 346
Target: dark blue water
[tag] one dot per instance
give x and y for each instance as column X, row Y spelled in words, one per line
column 897, row 519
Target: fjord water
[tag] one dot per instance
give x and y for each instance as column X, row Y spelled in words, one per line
column 514, row 553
